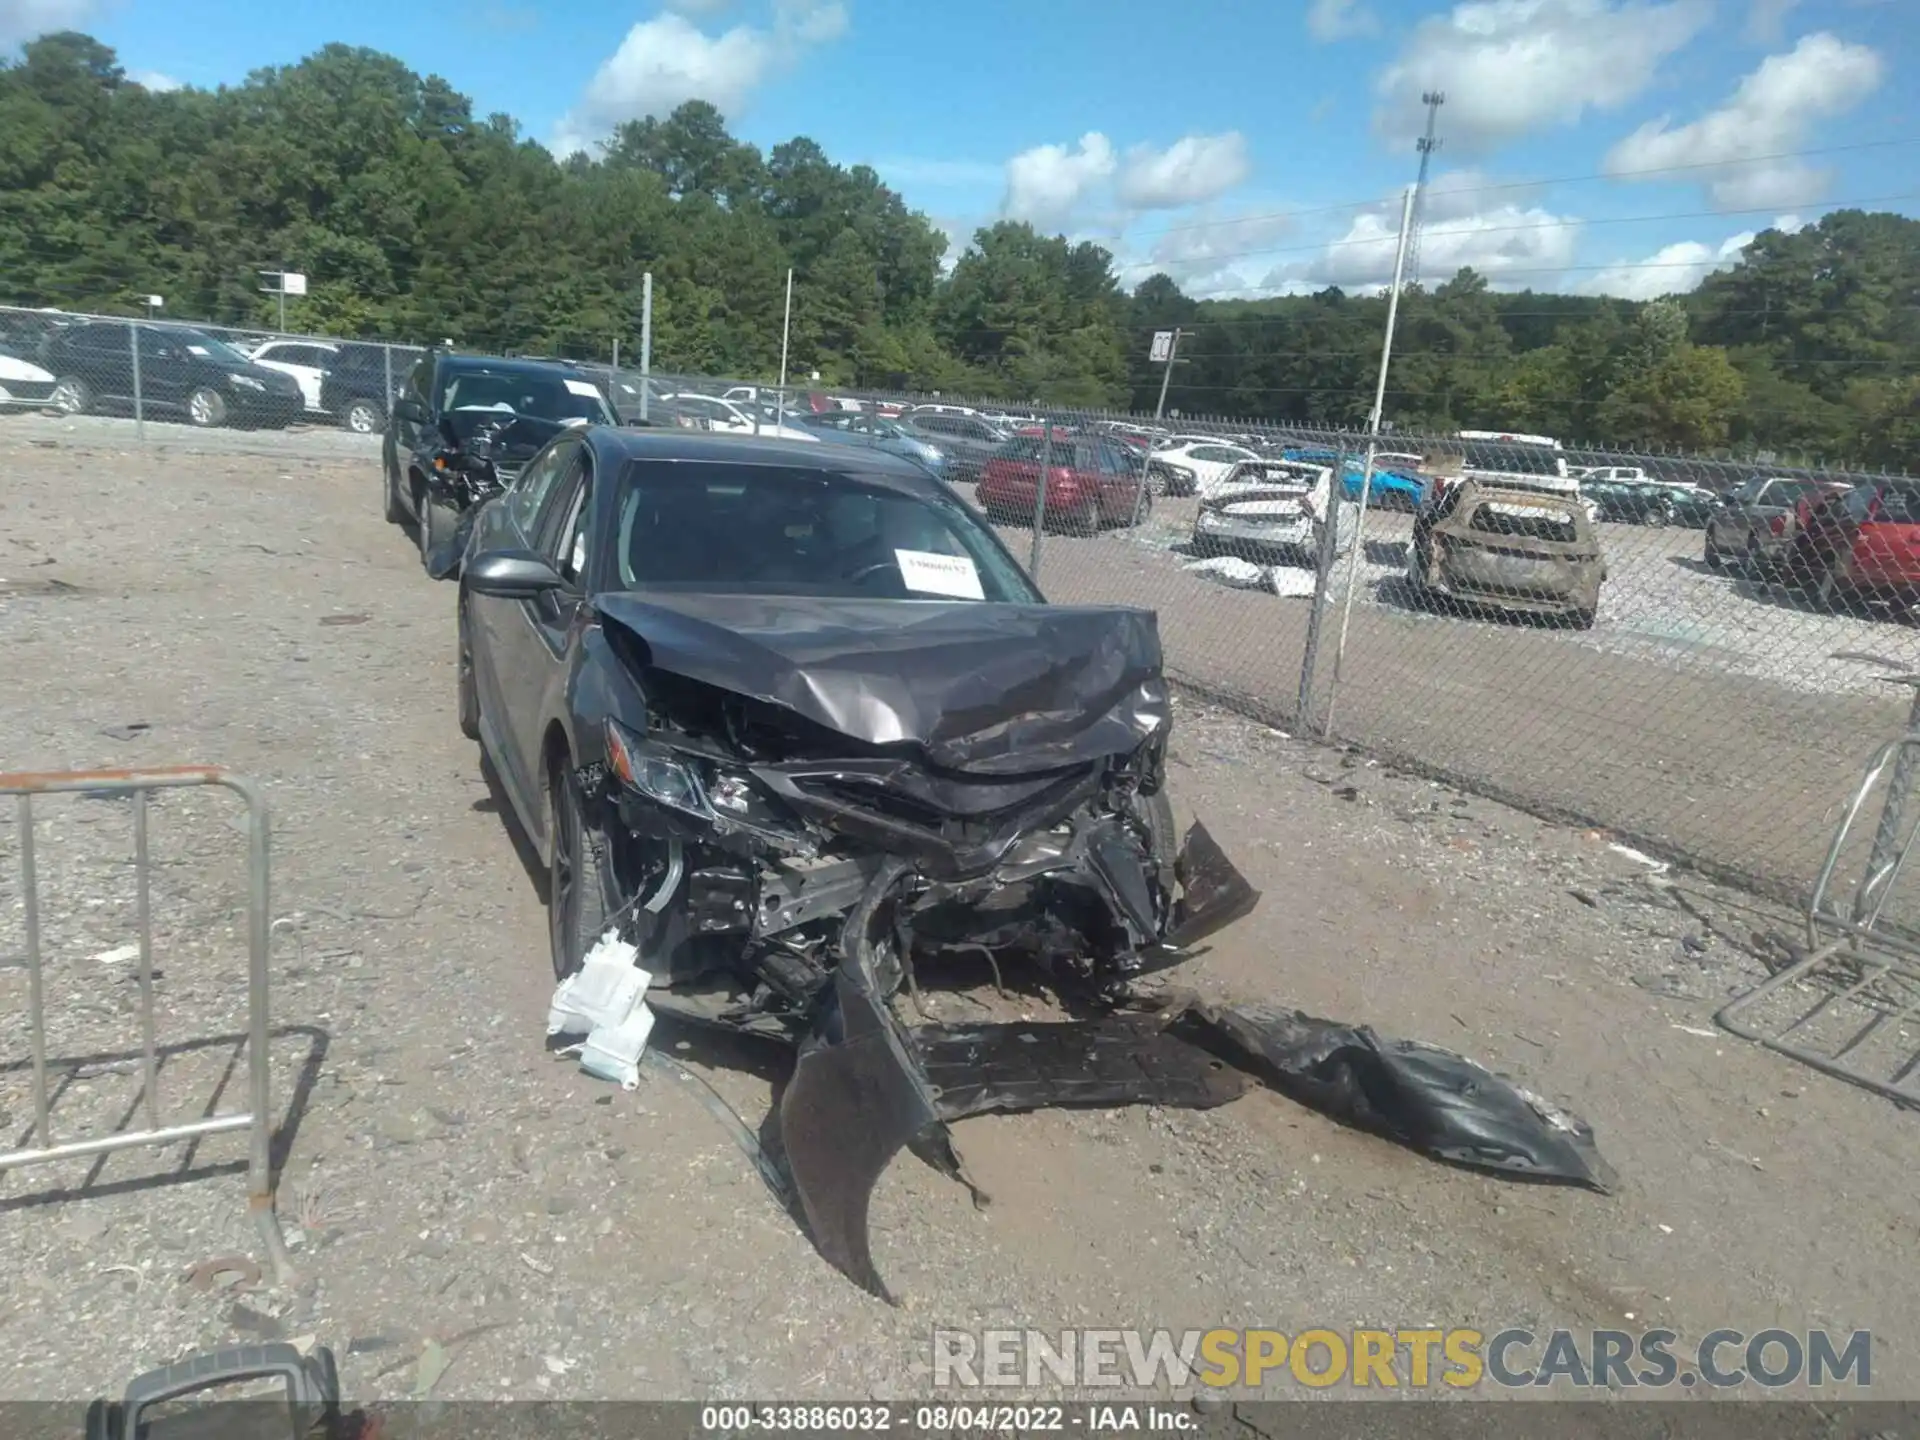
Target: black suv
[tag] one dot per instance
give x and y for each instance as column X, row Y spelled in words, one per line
column 354, row 388
column 455, row 408
column 182, row 372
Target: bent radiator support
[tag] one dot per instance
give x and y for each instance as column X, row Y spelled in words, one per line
column 1850, row 1007
column 257, row 1118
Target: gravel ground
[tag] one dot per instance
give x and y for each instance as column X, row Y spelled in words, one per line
column 479, row 1219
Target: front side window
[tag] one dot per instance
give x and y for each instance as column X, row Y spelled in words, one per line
column 780, row 530
column 523, row 501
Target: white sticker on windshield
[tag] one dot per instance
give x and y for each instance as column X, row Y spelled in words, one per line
column 932, row 574
column 582, row 387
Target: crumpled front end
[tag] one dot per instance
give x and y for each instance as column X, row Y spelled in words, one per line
column 806, row 882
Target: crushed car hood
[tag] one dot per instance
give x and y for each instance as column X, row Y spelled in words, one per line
column 994, row 689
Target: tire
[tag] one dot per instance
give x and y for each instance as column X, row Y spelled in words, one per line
column 425, row 530
column 467, row 693
column 576, row 875
column 1155, row 814
column 206, row 408
column 363, row 417
column 71, row 396
column 390, row 494
column 1834, row 595
column 1659, row 519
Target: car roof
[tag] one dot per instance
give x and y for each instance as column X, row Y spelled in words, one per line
column 500, row 366
column 858, row 462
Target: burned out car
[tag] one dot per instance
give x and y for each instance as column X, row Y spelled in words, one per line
column 1506, row 547
column 794, row 737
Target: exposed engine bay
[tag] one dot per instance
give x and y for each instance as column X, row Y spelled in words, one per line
column 807, row 816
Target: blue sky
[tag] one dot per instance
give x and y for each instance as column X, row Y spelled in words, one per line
column 1620, row 146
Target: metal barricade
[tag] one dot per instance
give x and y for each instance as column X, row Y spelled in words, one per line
column 257, row 1118
column 1850, row 1007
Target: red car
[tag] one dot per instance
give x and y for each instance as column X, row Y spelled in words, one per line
column 1861, row 544
column 1090, row 484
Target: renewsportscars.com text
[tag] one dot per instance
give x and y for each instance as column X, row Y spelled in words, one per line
column 1413, row 1359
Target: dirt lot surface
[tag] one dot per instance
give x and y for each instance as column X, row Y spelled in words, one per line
column 477, row 1218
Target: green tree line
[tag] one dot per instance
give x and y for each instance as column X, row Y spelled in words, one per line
column 417, row 220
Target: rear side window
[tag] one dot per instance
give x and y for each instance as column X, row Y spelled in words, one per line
column 1529, row 522
column 1900, row 505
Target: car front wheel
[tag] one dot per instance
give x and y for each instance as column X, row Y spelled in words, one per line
column 576, row 875
column 206, row 408
column 363, row 417
column 468, row 696
column 71, row 396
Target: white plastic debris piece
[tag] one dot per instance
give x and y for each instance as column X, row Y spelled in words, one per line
column 1229, row 570
column 612, row 1052
column 602, row 992
column 119, row 955
column 1640, row 858
column 1289, row 583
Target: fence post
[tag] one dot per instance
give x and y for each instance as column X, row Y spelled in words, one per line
column 139, row 413
column 1040, row 498
column 1322, row 577
column 1893, row 812
column 386, row 360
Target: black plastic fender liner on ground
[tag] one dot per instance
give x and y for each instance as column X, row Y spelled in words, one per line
column 1426, row 1098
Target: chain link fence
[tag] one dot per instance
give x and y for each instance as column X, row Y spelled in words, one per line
column 1694, row 652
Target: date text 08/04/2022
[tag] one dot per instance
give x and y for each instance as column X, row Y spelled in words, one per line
column 945, row 1418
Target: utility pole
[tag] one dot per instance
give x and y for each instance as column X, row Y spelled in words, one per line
column 786, row 330
column 646, row 342
column 1373, row 448
column 1433, row 100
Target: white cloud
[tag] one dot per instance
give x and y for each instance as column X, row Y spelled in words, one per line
column 668, row 60
column 1496, row 231
column 1511, row 67
column 1771, row 113
column 1674, row 269
column 1341, row 20
column 1217, row 256
column 22, row 20
column 1767, row 20
column 1046, row 184
column 153, row 80
column 1193, row 169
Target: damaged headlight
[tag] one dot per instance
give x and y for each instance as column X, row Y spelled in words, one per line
column 726, row 799
column 655, row 772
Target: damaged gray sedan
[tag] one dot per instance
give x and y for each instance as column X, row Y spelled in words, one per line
column 797, row 727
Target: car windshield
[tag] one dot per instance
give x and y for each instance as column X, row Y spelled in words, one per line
column 547, row 397
column 1786, row 492
column 783, row 530
column 208, row 348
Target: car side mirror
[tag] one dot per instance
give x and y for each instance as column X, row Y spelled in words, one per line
column 410, row 410
column 510, row 575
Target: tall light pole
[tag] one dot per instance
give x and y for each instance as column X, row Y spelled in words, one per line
column 1373, row 448
column 1433, row 100
column 786, row 331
